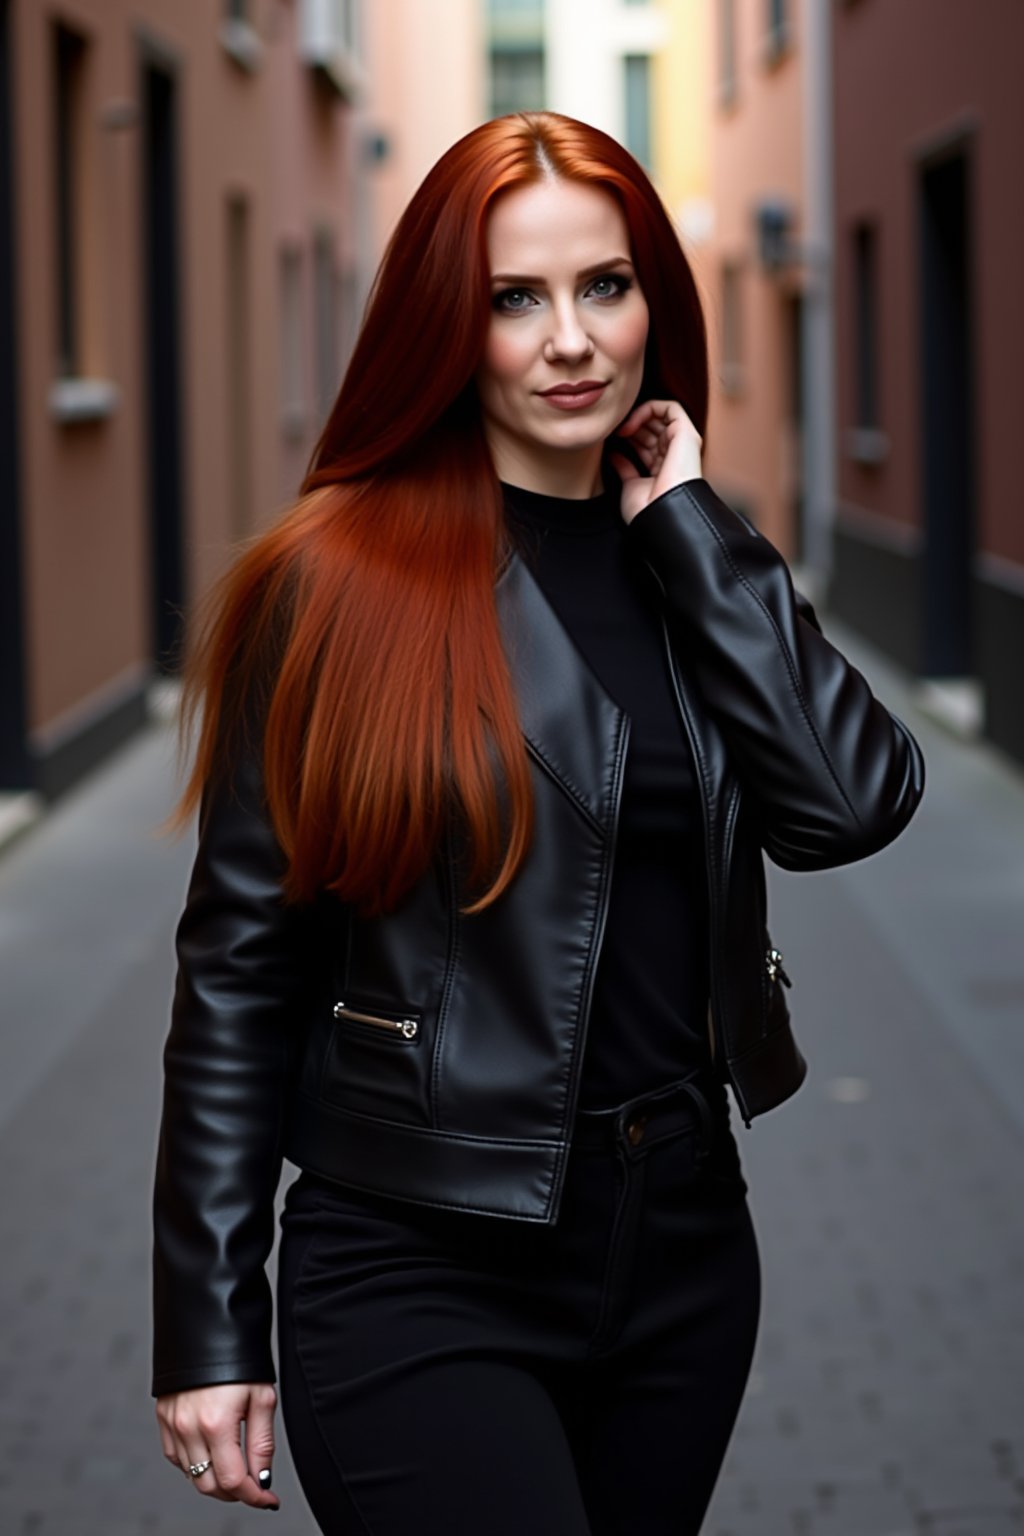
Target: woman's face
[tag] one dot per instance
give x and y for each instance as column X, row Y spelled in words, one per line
column 566, row 311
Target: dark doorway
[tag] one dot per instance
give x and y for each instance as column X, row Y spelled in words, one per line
column 161, row 330
column 15, row 762
column 238, row 310
column 793, row 397
column 947, row 412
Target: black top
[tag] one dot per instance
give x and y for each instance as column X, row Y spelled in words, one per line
column 648, row 1022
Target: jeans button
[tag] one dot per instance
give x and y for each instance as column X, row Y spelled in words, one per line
column 635, row 1130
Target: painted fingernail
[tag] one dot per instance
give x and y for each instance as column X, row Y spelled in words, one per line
column 263, row 1478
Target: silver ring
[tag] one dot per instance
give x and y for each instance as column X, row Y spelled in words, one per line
column 199, row 1467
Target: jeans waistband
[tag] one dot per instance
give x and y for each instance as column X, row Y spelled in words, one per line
column 651, row 1116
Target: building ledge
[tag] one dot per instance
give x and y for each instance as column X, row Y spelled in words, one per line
column 242, row 43
column 956, row 703
column 733, row 379
column 328, row 43
column 18, row 812
column 341, row 74
column 83, row 399
column 867, row 445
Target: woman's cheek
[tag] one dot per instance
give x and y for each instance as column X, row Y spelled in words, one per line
column 506, row 357
column 631, row 337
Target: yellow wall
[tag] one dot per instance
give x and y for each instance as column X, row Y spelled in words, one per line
column 680, row 108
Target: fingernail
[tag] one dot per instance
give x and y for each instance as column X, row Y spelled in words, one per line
column 263, row 1478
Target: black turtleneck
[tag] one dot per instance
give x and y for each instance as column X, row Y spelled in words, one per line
column 648, row 1022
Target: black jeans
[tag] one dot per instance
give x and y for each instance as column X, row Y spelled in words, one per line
column 467, row 1375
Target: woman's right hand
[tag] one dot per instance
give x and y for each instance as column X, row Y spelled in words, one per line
column 204, row 1424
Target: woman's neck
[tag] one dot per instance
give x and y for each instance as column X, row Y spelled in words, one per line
column 573, row 476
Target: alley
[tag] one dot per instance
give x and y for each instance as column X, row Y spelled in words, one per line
column 885, row 1398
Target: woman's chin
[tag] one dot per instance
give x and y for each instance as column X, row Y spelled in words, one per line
column 578, row 435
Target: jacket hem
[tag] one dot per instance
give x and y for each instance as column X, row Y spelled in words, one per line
column 485, row 1176
column 768, row 1073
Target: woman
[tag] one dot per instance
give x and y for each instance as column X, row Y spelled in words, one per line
column 499, row 723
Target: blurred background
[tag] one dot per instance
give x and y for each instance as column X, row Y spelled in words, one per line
column 194, row 195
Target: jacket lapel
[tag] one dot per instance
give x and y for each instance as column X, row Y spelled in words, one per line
column 577, row 731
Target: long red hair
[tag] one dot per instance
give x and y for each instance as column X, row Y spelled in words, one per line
column 362, row 625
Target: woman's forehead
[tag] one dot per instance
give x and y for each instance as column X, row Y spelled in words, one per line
column 554, row 223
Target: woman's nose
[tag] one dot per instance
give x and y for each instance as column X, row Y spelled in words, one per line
column 569, row 338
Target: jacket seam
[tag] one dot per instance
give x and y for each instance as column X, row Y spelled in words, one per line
column 728, row 829
column 791, row 668
column 454, row 933
column 717, row 913
column 780, row 1029
column 445, row 1205
column 607, row 856
column 435, row 1134
column 567, row 786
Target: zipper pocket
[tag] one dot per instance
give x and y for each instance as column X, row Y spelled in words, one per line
column 406, row 1028
column 773, row 963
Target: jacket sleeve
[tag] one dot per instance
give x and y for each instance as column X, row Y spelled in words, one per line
column 835, row 776
column 226, row 1059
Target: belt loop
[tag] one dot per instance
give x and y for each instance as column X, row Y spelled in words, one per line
column 707, row 1121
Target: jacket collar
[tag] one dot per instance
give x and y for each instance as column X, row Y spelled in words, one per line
column 577, row 731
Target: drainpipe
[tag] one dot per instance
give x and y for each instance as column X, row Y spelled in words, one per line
column 818, row 339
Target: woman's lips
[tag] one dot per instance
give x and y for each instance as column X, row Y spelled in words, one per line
column 574, row 397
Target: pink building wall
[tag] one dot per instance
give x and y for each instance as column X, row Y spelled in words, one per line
column 755, row 149
column 931, row 72
column 275, row 136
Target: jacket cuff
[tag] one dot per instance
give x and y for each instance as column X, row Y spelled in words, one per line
column 220, row 1373
column 653, row 525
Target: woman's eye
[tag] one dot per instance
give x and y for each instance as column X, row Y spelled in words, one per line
column 610, row 286
column 513, row 300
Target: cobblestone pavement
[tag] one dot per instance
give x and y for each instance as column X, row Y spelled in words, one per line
column 886, row 1396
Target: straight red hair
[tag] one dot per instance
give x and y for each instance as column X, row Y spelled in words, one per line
column 358, row 636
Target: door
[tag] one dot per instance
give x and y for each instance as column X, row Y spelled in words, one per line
column 947, row 411
column 15, row 763
column 161, row 330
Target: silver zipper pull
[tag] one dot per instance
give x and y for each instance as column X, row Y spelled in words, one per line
column 773, row 961
column 408, row 1028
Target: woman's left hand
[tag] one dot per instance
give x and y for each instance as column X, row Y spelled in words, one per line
column 668, row 445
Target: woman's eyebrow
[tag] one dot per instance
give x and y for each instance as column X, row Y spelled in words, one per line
column 599, row 266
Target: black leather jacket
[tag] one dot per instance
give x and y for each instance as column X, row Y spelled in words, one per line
column 436, row 1057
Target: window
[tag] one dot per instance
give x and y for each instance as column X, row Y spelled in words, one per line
column 637, row 105
column 726, row 52
column 865, row 324
column 348, row 316
column 777, row 38
column 516, row 18
column 517, row 80
column 69, row 51
column 731, row 368
column 293, row 349
column 332, row 26
column 348, row 25
column 239, row 38
column 328, row 374
column 330, row 42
